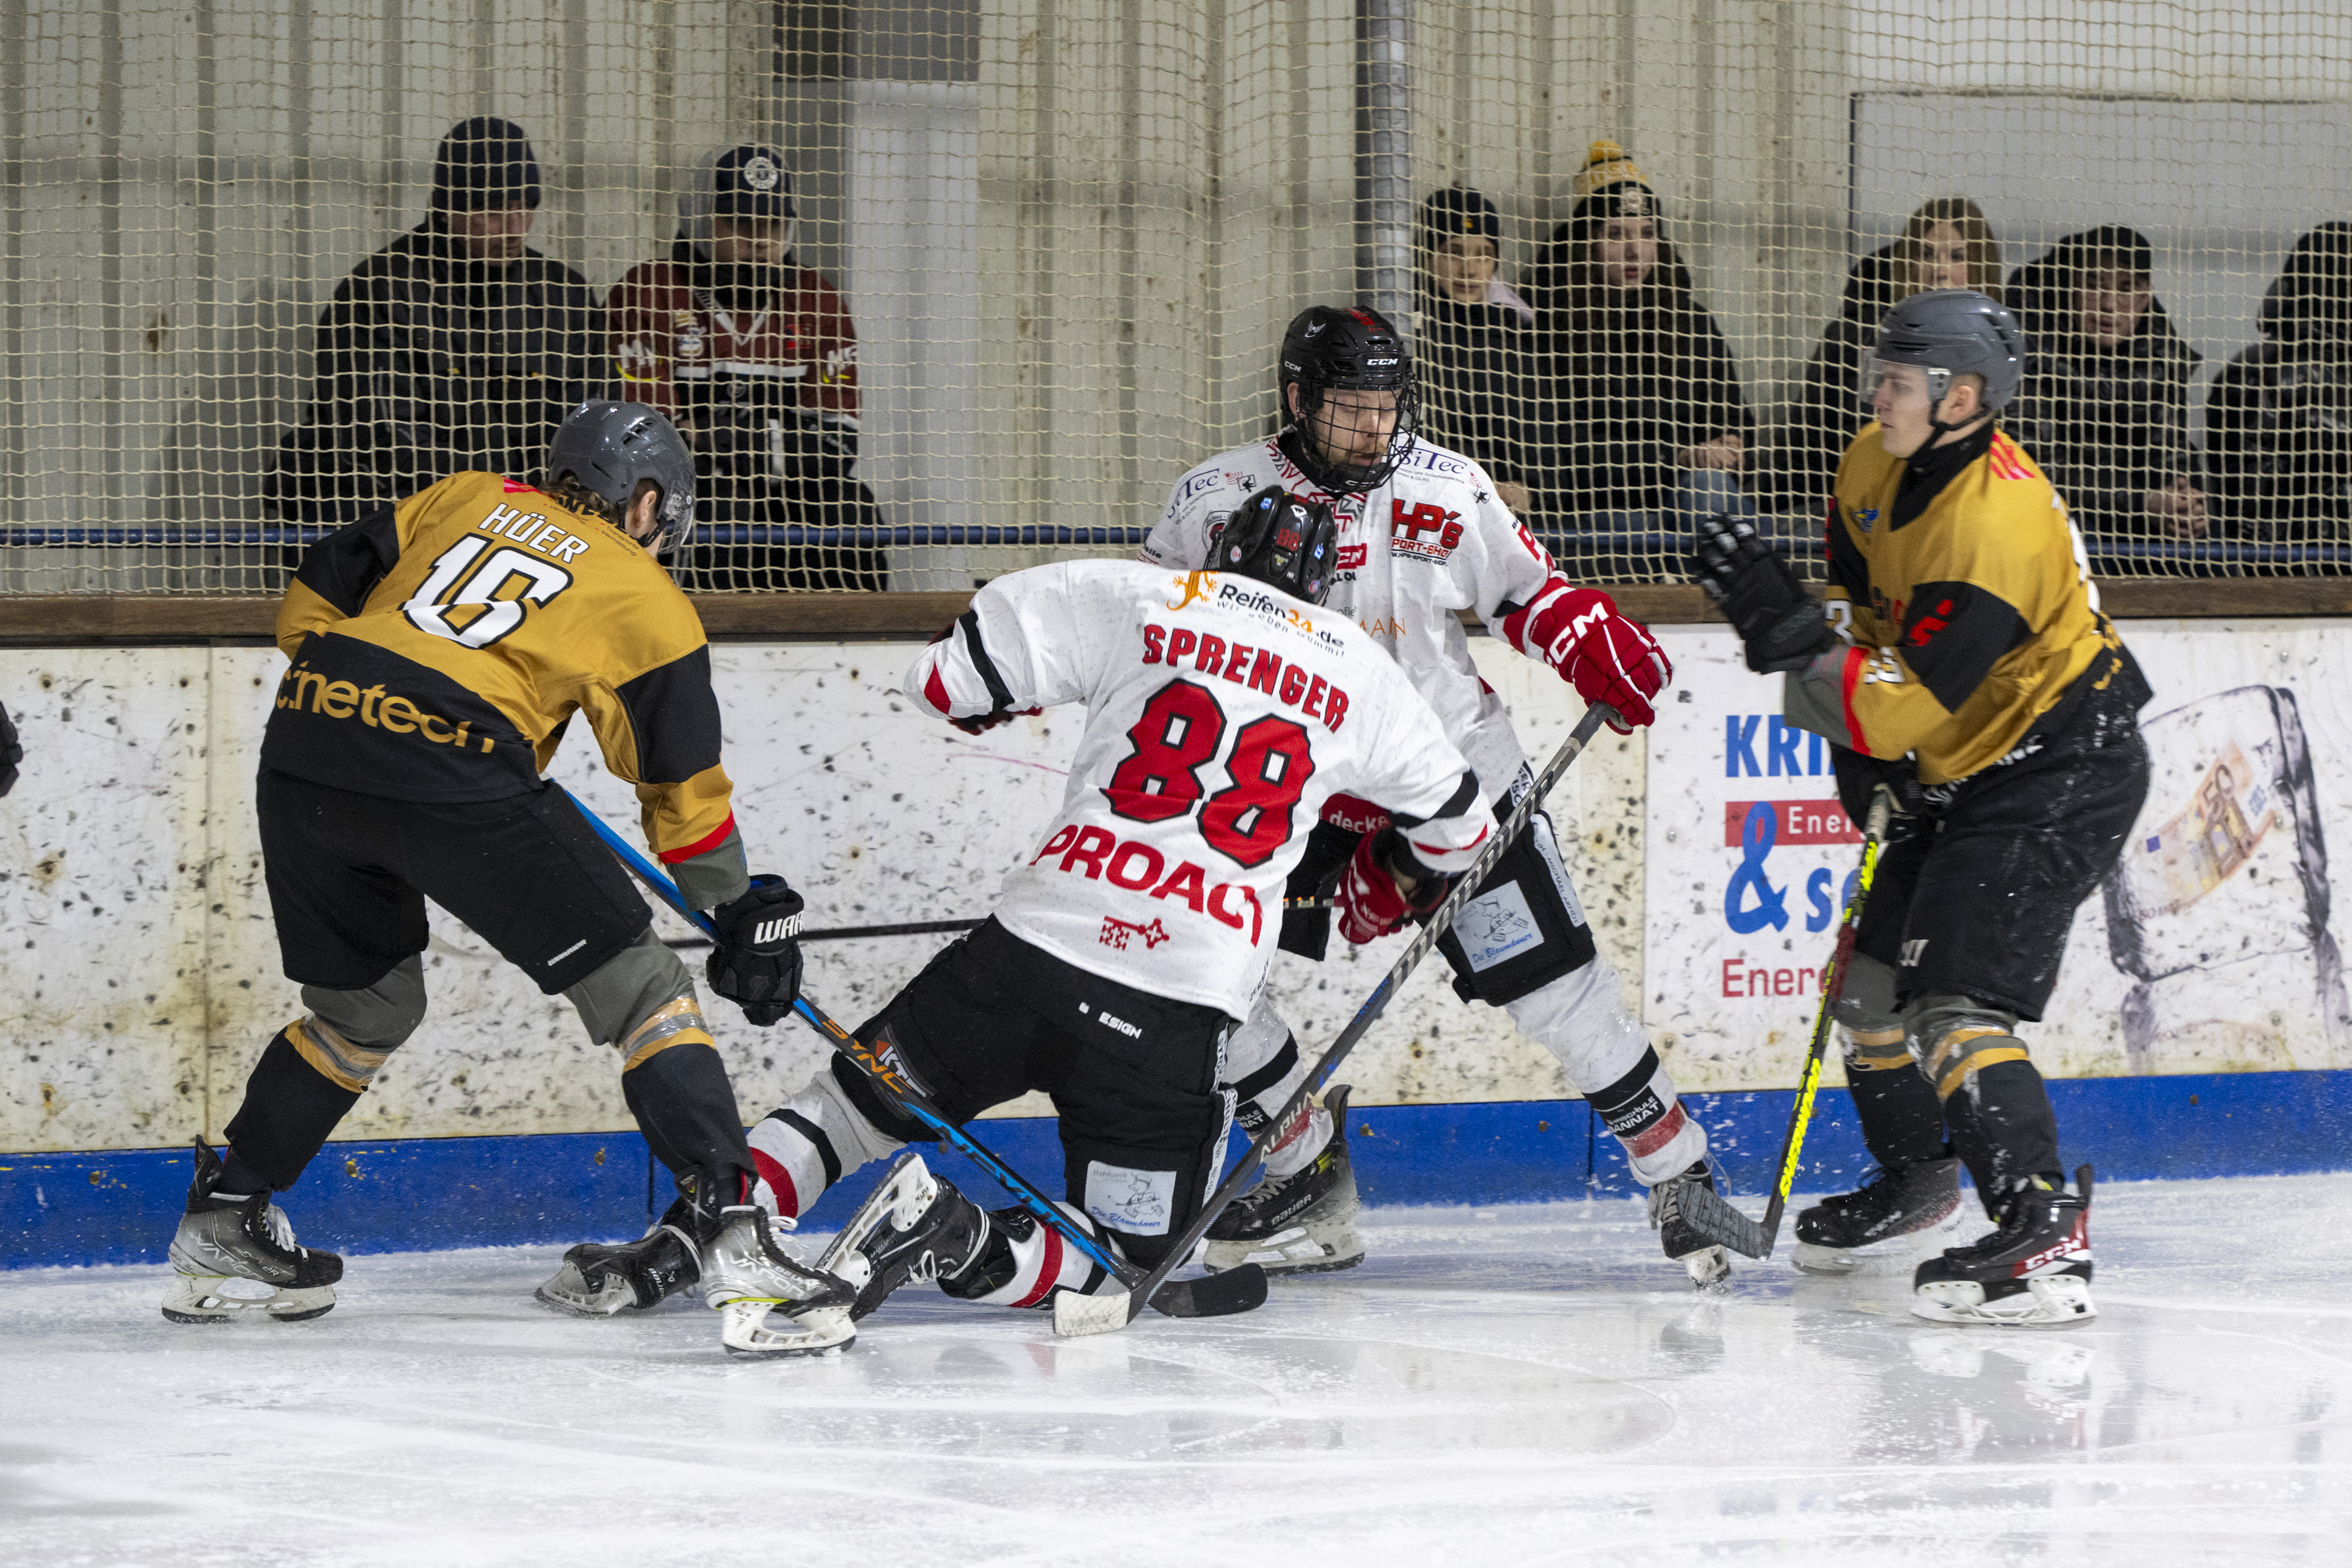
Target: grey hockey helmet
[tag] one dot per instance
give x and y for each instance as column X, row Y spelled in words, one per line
column 1356, row 349
column 1948, row 332
column 606, row 448
column 1284, row 540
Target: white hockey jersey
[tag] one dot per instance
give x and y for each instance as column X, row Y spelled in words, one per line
column 1433, row 541
column 1221, row 714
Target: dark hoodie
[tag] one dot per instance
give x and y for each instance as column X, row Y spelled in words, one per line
column 2278, row 423
column 1463, row 359
column 1614, row 382
column 1825, row 413
column 430, row 364
column 2106, row 424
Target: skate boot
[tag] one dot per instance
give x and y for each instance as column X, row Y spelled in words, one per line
column 1893, row 1201
column 1304, row 1223
column 913, row 1227
column 1709, row 1263
column 598, row 1278
column 2032, row 1272
column 234, row 1260
column 770, row 1302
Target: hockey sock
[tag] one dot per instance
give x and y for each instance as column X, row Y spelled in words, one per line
column 811, row 1141
column 1901, row 1122
column 290, row 1107
column 686, row 1107
column 1026, row 1260
column 2003, row 1126
column 1262, row 1090
column 1641, row 1109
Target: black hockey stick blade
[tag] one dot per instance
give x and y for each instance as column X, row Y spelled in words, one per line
column 1214, row 1295
column 1705, row 1211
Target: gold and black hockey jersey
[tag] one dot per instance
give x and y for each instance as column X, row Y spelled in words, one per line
column 440, row 648
column 1964, row 590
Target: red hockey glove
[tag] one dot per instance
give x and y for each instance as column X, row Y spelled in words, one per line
column 1605, row 657
column 1369, row 903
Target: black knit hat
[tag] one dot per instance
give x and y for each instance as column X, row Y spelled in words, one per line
column 484, row 162
column 1455, row 211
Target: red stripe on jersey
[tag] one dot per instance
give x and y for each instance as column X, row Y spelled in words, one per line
column 701, row 845
column 2007, row 461
column 1049, row 1272
column 779, row 1180
column 1435, row 851
column 1856, row 661
column 935, row 691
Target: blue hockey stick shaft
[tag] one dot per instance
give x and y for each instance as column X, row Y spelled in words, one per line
column 904, row 1094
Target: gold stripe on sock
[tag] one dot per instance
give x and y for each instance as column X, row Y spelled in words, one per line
column 678, row 1023
column 340, row 1061
column 1975, row 1062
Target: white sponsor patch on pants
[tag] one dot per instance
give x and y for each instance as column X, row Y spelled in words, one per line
column 1494, row 926
column 1137, row 1202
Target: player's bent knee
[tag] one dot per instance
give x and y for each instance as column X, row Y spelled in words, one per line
column 872, row 1109
column 1955, row 1037
column 379, row 1018
column 1866, row 1002
column 639, row 1001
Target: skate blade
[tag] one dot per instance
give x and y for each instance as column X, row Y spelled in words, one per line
column 1828, row 1262
column 2055, row 1304
column 1710, row 1270
column 745, row 1329
column 569, row 1293
column 206, row 1299
column 905, row 1192
column 1892, row 1254
column 1292, row 1251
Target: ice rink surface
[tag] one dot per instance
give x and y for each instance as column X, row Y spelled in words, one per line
column 1504, row 1387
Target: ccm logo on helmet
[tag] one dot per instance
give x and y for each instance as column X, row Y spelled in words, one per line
column 779, row 930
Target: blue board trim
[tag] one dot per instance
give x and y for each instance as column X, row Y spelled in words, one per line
column 433, row 1193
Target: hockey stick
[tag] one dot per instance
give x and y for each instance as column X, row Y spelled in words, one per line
column 923, row 928
column 1707, row 1211
column 1215, row 1296
column 1075, row 1315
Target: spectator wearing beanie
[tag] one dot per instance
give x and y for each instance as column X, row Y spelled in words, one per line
column 455, row 348
column 1631, row 409
column 2105, row 407
column 1946, row 244
column 2278, row 422
column 756, row 359
column 1471, row 322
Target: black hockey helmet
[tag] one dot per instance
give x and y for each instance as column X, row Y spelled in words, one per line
column 1356, row 349
column 606, row 448
column 1284, row 540
column 1948, row 332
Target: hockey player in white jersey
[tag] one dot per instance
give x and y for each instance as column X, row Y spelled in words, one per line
column 1422, row 536
column 1224, row 708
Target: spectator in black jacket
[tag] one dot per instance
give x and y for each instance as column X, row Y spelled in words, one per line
column 1470, row 324
column 1947, row 243
column 2278, row 423
column 1630, row 405
column 2104, row 409
column 456, row 347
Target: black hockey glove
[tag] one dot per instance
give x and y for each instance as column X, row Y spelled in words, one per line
column 11, row 753
column 1780, row 624
column 1859, row 776
column 756, row 962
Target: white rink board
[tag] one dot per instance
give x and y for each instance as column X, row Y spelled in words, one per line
column 142, row 979
column 2225, row 959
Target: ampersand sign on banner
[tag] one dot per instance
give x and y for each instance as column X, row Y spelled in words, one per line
column 1755, row 836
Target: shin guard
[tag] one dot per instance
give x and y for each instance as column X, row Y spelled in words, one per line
column 1262, row 1068
column 1026, row 1261
column 686, row 1108
column 1581, row 1019
column 811, row 1141
column 292, row 1103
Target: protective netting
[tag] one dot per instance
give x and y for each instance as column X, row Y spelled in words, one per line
column 1037, row 255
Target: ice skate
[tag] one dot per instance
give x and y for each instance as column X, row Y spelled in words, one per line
column 600, row 1279
column 912, row 1227
column 2034, row 1272
column 1921, row 1200
column 1709, row 1263
column 749, row 1280
column 1304, row 1223
column 234, row 1260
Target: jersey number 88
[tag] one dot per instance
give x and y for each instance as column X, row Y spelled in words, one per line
column 1181, row 732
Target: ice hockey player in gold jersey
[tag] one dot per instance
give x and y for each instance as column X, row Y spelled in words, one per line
column 439, row 648
column 1964, row 665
